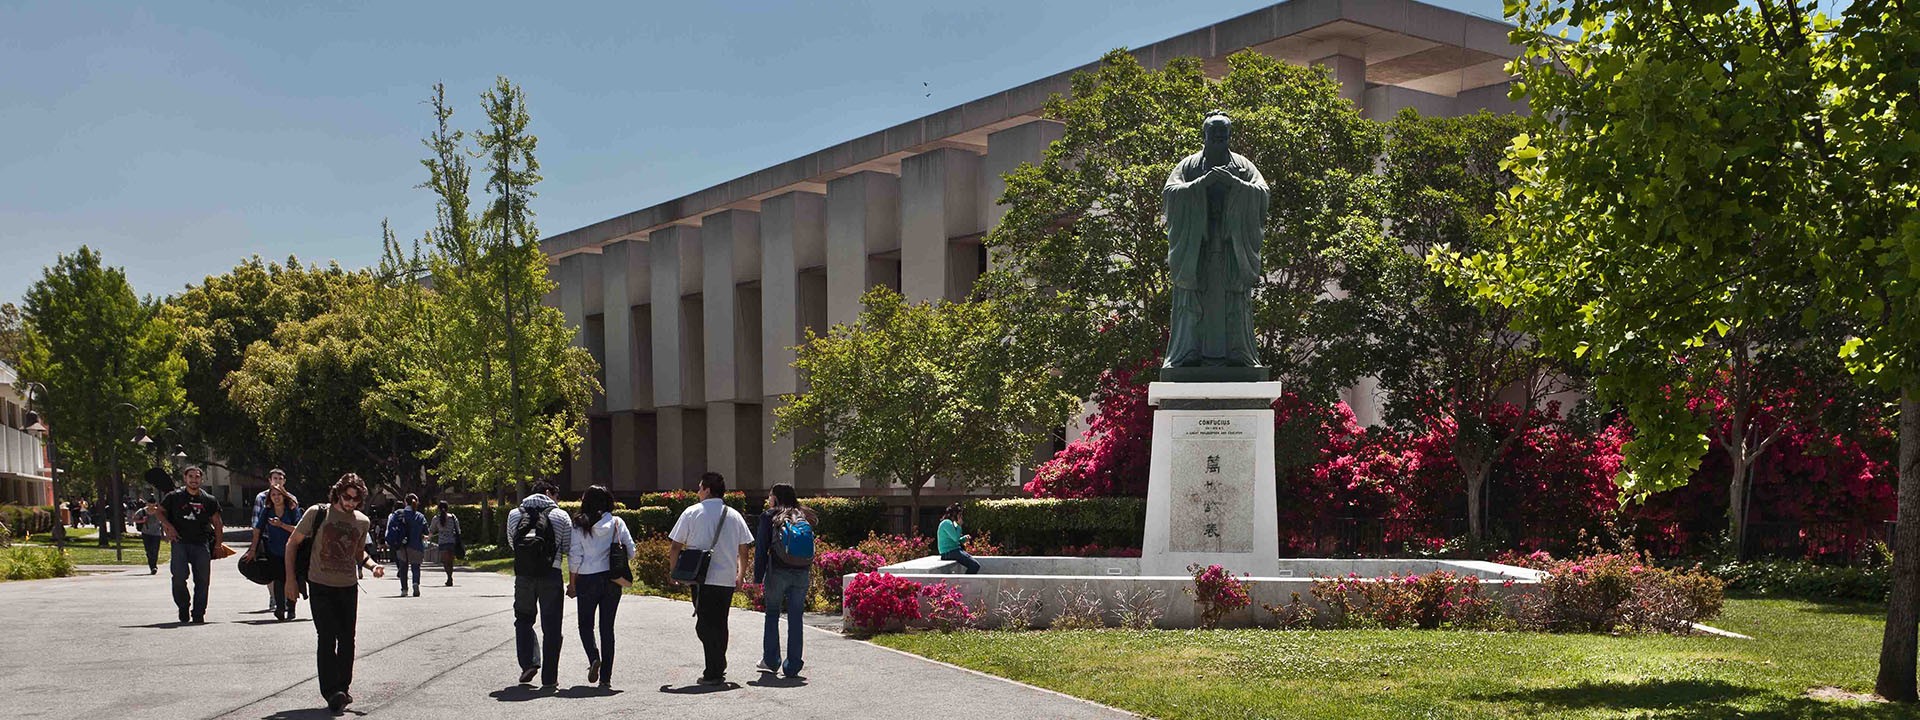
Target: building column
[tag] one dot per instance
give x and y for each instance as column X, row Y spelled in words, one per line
column 732, row 259
column 793, row 235
column 1348, row 65
column 1006, row 151
column 939, row 202
column 863, row 220
column 573, row 306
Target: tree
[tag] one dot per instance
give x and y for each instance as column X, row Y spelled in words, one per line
column 1452, row 359
column 95, row 346
column 1084, row 245
column 911, row 392
column 13, row 339
column 495, row 380
column 219, row 319
column 1694, row 173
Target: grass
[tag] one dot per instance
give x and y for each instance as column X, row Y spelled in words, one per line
column 1799, row 646
column 89, row 552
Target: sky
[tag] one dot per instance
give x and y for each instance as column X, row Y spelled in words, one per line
column 180, row 138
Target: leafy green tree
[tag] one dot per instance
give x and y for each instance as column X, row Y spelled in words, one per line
column 219, row 318
column 911, row 392
column 1084, row 243
column 493, row 377
column 1695, row 173
column 95, row 346
column 1450, row 357
column 13, row 332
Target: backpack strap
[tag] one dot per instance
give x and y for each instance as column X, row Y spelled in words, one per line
column 717, row 527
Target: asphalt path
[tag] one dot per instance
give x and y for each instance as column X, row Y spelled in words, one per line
column 107, row 645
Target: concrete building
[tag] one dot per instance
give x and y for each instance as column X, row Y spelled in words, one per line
column 691, row 305
column 25, row 476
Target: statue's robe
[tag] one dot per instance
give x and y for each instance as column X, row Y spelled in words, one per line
column 1213, row 254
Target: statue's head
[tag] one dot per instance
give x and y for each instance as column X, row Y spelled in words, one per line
column 1216, row 129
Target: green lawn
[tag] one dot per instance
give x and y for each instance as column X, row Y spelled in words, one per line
column 1799, row 646
column 87, row 551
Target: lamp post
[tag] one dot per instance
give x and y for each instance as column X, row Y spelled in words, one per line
column 139, row 438
column 37, row 426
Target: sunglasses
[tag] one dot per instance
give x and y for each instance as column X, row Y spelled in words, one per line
column 350, row 497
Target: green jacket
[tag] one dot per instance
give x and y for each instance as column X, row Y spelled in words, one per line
column 949, row 536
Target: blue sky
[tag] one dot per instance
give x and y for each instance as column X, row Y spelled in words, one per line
column 180, row 138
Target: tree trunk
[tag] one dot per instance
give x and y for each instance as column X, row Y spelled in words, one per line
column 1896, row 681
column 1476, row 467
column 1737, row 499
column 913, row 512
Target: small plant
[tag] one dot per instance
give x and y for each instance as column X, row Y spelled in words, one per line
column 1080, row 609
column 1217, row 592
column 6, row 536
column 895, row 548
column 836, row 564
column 1609, row 592
column 755, row 594
column 877, row 602
column 1295, row 615
column 1017, row 610
column 1139, row 608
column 650, row 562
column 947, row 609
column 34, row 563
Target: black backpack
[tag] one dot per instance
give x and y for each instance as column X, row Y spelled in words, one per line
column 303, row 557
column 533, row 544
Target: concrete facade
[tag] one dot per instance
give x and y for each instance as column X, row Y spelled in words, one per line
column 693, row 305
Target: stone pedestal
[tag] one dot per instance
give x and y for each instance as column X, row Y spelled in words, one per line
column 1210, row 492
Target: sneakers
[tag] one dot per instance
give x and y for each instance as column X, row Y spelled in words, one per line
column 153, row 571
column 713, row 681
column 337, row 702
column 764, row 667
column 593, row 672
column 527, row 675
column 183, row 617
column 449, row 583
column 416, row 591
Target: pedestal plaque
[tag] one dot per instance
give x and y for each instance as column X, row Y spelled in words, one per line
column 1210, row 492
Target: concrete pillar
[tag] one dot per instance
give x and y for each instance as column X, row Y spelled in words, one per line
column 939, row 201
column 1006, row 150
column 573, row 303
column 675, row 269
column 1348, row 65
column 863, row 219
column 730, row 241
column 618, row 324
column 793, row 235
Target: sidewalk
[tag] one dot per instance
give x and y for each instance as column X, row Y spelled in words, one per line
column 106, row 645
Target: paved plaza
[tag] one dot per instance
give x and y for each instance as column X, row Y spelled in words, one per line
column 106, row 645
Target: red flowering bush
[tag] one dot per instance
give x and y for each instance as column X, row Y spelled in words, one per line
column 1608, row 592
column 1217, row 592
column 1435, row 600
column 756, row 595
column 1111, row 457
column 895, row 548
column 882, row 601
column 946, row 609
column 838, row 563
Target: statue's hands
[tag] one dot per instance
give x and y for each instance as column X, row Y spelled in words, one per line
column 1219, row 174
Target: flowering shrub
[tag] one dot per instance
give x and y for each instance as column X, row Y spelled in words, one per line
column 946, row 609
column 650, row 561
column 1111, row 457
column 882, row 601
column 895, row 548
column 1438, row 599
column 1217, row 592
column 1608, row 592
column 1295, row 615
column 756, row 595
column 838, row 563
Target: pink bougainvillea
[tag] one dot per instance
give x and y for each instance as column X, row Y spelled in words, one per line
column 882, row 601
column 1111, row 457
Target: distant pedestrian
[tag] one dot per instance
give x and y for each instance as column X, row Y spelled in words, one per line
column 274, row 519
column 710, row 526
column 276, row 478
column 406, row 537
column 192, row 520
column 595, row 533
column 446, row 532
column 333, row 582
column 152, row 531
column 952, row 543
column 783, row 565
column 540, row 535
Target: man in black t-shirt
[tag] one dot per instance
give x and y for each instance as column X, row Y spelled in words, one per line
column 192, row 520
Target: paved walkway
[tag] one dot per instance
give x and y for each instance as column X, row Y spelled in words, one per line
column 106, row 645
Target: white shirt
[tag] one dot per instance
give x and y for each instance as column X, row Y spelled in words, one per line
column 695, row 527
column 589, row 552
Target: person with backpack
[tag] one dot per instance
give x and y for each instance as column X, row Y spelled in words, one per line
column 540, row 535
column 406, row 537
column 274, row 518
column 192, row 521
column 722, row 536
column 783, row 565
column 332, row 577
column 952, row 543
column 595, row 580
column 446, row 532
column 152, row 532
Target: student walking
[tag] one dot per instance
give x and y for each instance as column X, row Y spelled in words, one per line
column 406, row 537
column 152, row 530
column 276, row 481
column 333, row 582
column 540, row 535
column 445, row 532
column 595, row 581
column 952, row 543
column 783, row 565
column 273, row 521
column 709, row 526
column 192, row 521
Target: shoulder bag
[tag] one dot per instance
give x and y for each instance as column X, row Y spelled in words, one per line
column 617, row 561
column 691, row 567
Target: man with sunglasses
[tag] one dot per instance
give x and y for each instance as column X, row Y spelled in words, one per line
column 333, row 581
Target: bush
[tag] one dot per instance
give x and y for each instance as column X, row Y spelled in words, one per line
column 838, row 563
column 1802, row 579
column 1046, row 524
column 487, row 552
column 678, row 500
column 1080, row 609
column 1217, row 592
column 896, row 548
column 1295, row 615
column 878, row 602
column 1436, row 600
column 645, row 521
column 24, row 520
column 34, row 563
column 947, row 609
column 650, row 561
column 844, row 521
column 1609, row 592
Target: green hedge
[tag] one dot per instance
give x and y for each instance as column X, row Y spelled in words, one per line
column 1044, row 524
column 846, row 521
column 678, row 500
column 1805, row 580
column 21, row 519
column 645, row 521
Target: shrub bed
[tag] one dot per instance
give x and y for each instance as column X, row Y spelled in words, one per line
column 844, row 521
column 23, row 520
column 1047, row 524
column 1614, row 592
column 34, row 563
column 1804, row 580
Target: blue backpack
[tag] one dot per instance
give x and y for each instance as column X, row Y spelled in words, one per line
column 792, row 538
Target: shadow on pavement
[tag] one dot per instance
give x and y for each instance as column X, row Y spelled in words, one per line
column 699, row 689
column 774, row 681
column 586, row 691
column 310, row 714
column 520, row 693
column 159, row 625
column 274, row 622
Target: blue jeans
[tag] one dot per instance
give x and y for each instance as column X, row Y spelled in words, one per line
column 786, row 589
column 404, row 568
column 597, row 595
column 965, row 560
column 539, row 597
column 195, row 558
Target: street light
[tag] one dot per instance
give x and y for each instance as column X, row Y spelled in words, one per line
column 118, row 524
column 39, row 427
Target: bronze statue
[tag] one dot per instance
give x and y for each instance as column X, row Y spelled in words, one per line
column 1216, row 203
